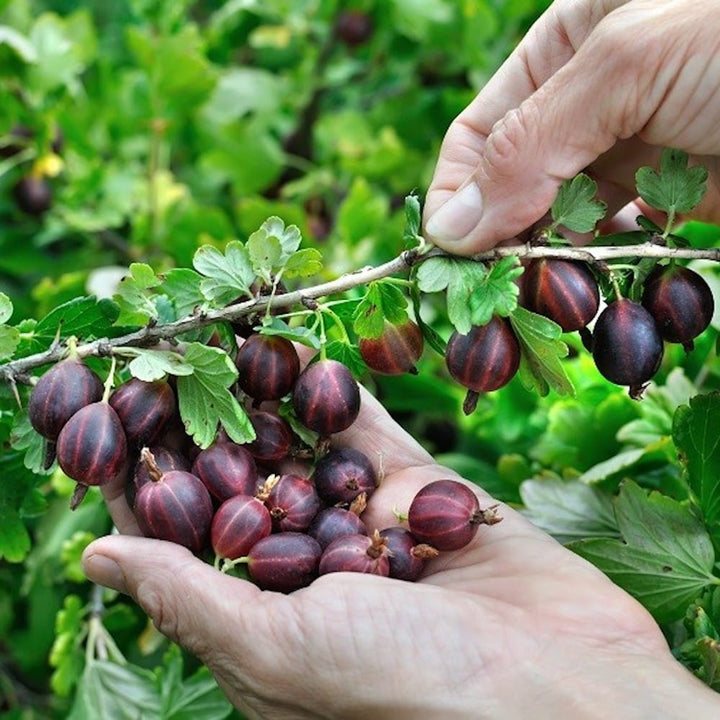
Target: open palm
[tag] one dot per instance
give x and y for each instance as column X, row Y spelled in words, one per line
column 512, row 624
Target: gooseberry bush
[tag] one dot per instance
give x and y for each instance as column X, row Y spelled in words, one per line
column 219, row 258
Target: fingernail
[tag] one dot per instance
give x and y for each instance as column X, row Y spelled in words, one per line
column 104, row 571
column 458, row 216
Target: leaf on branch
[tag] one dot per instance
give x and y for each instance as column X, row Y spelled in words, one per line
column 227, row 275
column 576, row 206
column 85, row 317
column 303, row 263
column 150, row 365
column 677, row 188
column 302, row 335
column 182, row 285
column 665, row 558
column 136, row 308
column 205, row 400
column 497, row 292
column 289, row 237
column 25, row 438
column 348, row 355
column 265, row 252
column 413, row 219
column 695, row 432
column 541, row 366
column 9, row 341
column 384, row 302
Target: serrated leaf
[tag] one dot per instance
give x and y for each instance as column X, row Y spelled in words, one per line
column 132, row 295
column 24, row 438
column 384, row 302
column 576, row 207
column 150, row 365
column 265, row 252
column 205, row 401
column 696, row 436
column 497, row 292
column 84, row 317
column 665, row 558
column 677, row 188
column 304, row 263
column 6, row 308
column 348, row 355
column 568, row 510
column 182, row 286
column 9, row 341
column 289, row 237
column 435, row 274
column 227, row 275
column 541, row 366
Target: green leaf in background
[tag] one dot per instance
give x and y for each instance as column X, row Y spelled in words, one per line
column 697, row 438
column 541, row 366
column 384, row 302
column 568, row 510
column 14, row 537
column 71, row 555
column 205, row 400
column 66, row 655
column 19, row 43
column 665, row 558
column 576, row 207
column 228, row 275
column 136, row 308
column 497, row 292
column 6, row 308
column 676, row 188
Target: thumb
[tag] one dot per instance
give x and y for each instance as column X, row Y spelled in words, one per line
column 188, row 600
column 558, row 130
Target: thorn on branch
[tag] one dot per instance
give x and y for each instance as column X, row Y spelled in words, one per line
column 310, row 303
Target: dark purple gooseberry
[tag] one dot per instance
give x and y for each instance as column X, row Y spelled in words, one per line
column 446, row 515
column 407, row 556
column 356, row 553
column 284, row 561
column 483, row 360
column 144, row 408
column 326, row 397
column 293, row 502
column 60, row 393
column 174, row 506
column 33, row 195
column 344, row 473
column 226, row 469
column 237, row 525
column 166, row 458
column 396, row 351
column 353, row 27
column 563, row 290
column 334, row 522
column 627, row 347
column 680, row 301
column 274, row 437
column 91, row 447
column 268, row 366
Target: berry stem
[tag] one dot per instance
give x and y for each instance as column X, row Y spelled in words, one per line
column 110, row 381
column 153, row 468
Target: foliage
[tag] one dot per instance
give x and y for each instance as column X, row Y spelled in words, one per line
column 221, row 155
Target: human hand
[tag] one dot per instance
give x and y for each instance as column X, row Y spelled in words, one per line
column 594, row 86
column 512, row 626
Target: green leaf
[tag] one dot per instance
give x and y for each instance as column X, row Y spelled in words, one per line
column 302, row 264
column 6, row 308
column 665, row 558
column 568, row 510
column 182, row 285
column 265, row 253
column 228, row 275
column 497, row 292
column 289, row 237
column 541, row 366
column 206, row 402
column 348, row 355
column 576, row 207
column 71, row 555
column 696, row 436
column 677, row 188
column 84, row 317
column 24, row 437
column 302, row 335
column 384, row 302
column 136, row 308
column 413, row 219
column 66, row 655
column 150, row 365
column 9, row 341
column 14, row 537
column 436, row 273
column 20, row 44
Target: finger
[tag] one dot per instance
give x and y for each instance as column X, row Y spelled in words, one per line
column 189, row 601
column 114, row 495
column 551, row 136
